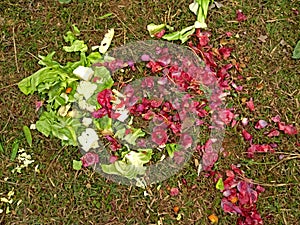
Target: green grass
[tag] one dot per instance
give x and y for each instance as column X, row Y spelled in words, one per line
column 60, row 195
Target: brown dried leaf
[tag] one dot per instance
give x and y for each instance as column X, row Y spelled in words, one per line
column 262, row 38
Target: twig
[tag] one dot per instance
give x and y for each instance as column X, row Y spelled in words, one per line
column 274, row 20
column 15, row 50
column 125, row 25
column 11, row 85
column 33, row 55
column 284, row 219
column 267, row 185
column 51, row 182
column 9, row 117
column 8, row 182
column 274, row 185
column 285, row 159
column 287, row 153
column 54, row 160
column 2, row 218
column 270, row 185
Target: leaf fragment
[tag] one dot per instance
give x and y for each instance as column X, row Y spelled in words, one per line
column 77, row 164
column 15, row 149
column 220, row 184
column 296, row 52
column 1, row 148
column 77, row 46
column 64, row 1
column 28, row 135
column 154, row 29
column 105, row 16
column 172, row 36
column 171, row 148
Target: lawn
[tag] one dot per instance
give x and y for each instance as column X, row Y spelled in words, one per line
column 50, row 191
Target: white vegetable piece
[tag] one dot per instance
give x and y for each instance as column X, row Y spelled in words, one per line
column 84, row 73
column 123, row 115
column 194, row 7
column 63, row 110
column 88, row 139
column 87, row 121
column 133, row 158
column 86, row 89
column 105, row 43
column 83, row 105
column 200, row 25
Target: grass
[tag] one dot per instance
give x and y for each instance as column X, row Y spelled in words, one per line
column 60, row 195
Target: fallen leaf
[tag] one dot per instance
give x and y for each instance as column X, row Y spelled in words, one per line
column 215, row 4
column 220, row 184
column 282, row 42
column 295, row 11
column 260, row 86
column 240, row 197
column 213, row 219
column 287, row 129
column 258, row 148
column 223, row 42
column 262, row 38
column 273, row 133
column 228, row 34
column 245, row 121
column 219, row 5
column 276, row 119
column 243, row 65
column 225, row 52
column 210, row 156
column 261, row 124
column 226, row 116
column 196, row 162
column 246, row 135
column 176, row 209
column 240, row 16
column 233, row 61
column 105, row 16
column 250, row 105
column 174, row 191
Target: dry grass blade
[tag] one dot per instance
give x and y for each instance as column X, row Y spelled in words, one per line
column 285, row 159
column 15, row 50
